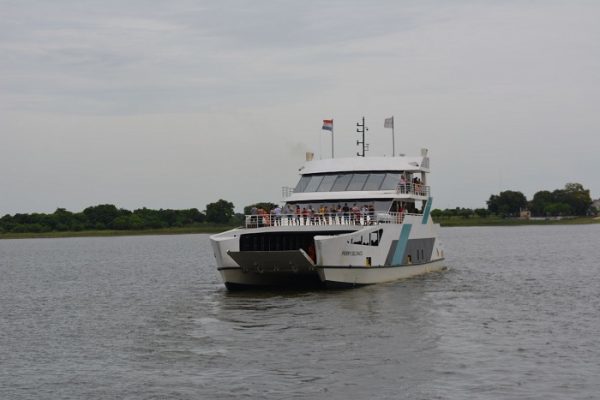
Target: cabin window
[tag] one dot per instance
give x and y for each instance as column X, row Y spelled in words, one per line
column 375, row 237
column 357, row 182
column 348, row 182
column 314, row 183
column 341, row 183
column 327, row 183
column 302, row 184
column 374, row 181
column 390, row 182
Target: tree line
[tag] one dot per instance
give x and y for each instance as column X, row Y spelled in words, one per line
column 108, row 216
column 572, row 200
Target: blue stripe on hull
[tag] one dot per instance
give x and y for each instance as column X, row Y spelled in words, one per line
column 427, row 210
column 398, row 258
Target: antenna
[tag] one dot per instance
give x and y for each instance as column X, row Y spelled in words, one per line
column 362, row 129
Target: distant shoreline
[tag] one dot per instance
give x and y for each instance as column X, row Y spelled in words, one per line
column 112, row 233
column 451, row 222
column 490, row 221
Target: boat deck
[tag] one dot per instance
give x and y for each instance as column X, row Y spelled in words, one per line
column 261, row 221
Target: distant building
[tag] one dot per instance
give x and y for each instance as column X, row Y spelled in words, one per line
column 596, row 205
column 524, row 213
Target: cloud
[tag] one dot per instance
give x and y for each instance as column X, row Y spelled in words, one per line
column 492, row 89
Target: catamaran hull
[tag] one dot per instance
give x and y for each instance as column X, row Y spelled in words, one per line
column 367, row 255
column 237, row 278
column 353, row 276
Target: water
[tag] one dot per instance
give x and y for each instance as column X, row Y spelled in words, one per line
column 515, row 317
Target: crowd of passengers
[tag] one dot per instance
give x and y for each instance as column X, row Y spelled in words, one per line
column 324, row 215
column 417, row 186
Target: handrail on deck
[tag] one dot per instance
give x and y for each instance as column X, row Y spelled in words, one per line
column 317, row 219
column 413, row 188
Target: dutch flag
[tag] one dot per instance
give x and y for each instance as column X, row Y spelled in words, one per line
column 328, row 124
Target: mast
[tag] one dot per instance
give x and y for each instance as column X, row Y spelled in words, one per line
column 362, row 129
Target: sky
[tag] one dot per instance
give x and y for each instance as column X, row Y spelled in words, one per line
column 178, row 104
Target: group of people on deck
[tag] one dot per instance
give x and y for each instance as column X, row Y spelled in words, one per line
column 307, row 215
column 334, row 215
column 408, row 186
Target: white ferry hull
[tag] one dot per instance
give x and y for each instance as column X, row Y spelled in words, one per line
column 355, row 276
column 327, row 276
column 361, row 256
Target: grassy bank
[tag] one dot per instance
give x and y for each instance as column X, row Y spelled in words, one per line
column 445, row 222
column 99, row 233
column 491, row 221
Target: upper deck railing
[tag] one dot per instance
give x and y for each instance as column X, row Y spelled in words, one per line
column 413, row 188
column 316, row 219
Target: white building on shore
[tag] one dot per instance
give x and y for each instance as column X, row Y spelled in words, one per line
column 596, row 205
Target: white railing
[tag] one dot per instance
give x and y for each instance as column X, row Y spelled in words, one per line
column 350, row 219
column 413, row 188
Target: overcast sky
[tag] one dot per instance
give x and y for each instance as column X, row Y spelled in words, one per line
column 177, row 104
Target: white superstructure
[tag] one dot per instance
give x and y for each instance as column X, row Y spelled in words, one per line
column 349, row 221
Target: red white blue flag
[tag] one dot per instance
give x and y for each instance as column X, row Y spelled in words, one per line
column 328, row 125
column 389, row 123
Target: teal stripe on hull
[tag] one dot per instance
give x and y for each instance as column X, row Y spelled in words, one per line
column 401, row 245
column 427, row 210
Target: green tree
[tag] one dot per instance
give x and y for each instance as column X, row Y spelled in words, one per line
column 219, row 212
column 465, row 212
column 100, row 216
column 264, row 205
column 436, row 213
column 481, row 212
column 125, row 222
column 539, row 202
column 577, row 197
column 193, row 215
column 557, row 209
column 151, row 219
column 507, row 203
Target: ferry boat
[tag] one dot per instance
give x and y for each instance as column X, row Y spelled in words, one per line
column 349, row 221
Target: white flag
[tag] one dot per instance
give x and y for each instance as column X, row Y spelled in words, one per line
column 389, row 122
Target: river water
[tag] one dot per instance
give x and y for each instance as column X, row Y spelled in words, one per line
column 516, row 316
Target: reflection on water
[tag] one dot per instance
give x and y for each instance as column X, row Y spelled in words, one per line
column 515, row 316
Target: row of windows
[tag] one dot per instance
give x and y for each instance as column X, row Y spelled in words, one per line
column 348, row 182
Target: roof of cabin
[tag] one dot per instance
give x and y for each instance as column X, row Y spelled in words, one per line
column 352, row 164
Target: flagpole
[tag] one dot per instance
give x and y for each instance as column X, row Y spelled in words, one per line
column 332, row 139
column 393, row 139
column 320, row 147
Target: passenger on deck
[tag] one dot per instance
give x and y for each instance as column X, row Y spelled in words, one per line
column 346, row 212
column 401, row 214
column 277, row 212
column 321, row 215
column 263, row 218
column 254, row 217
column 402, row 184
column 326, row 215
column 364, row 213
column 355, row 216
column 418, row 187
column 339, row 214
column 305, row 216
column 289, row 211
